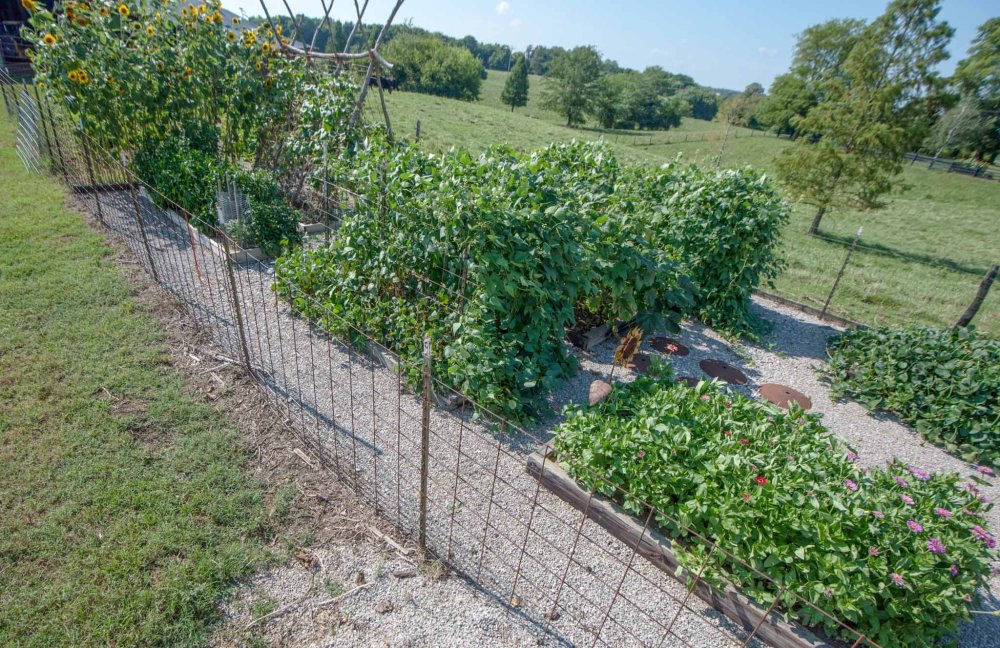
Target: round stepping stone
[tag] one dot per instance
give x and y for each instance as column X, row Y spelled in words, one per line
column 723, row 371
column 639, row 363
column 691, row 381
column 782, row 395
column 599, row 390
column 669, row 346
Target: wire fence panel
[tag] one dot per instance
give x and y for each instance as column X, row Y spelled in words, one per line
column 453, row 477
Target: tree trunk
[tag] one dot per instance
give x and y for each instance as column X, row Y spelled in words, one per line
column 816, row 220
column 984, row 288
column 512, row 107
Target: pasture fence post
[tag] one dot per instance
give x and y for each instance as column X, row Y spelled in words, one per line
column 418, row 130
column 843, row 266
column 977, row 301
column 238, row 315
column 55, row 138
column 425, row 442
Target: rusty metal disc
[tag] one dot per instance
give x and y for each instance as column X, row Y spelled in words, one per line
column 782, row 395
column 639, row 363
column 668, row 345
column 723, row 371
column 690, row 380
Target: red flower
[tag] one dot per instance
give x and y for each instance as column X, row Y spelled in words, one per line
column 761, row 481
column 744, row 441
column 728, row 433
column 729, row 403
column 746, row 497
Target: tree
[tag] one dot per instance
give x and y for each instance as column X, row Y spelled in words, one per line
column 741, row 109
column 426, row 63
column 874, row 108
column 515, row 89
column 570, row 85
column 335, row 38
column 789, row 101
column 978, row 77
column 702, row 102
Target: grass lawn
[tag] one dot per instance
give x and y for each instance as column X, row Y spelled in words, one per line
column 930, row 246
column 126, row 511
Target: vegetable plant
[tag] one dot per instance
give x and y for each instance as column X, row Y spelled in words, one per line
column 943, row 382
column 896, row 552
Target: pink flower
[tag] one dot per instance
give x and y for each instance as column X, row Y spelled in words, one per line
column 954, row 570
column 922, row 475
column 906, row 499
column 744, row 441
column 972, row 488
column 879, row 515
column 935, row 546
column 642, row 453
column 872, row 551
column 705, row 397
column 761, row 481
column 746, row 496
column 850, row 485
column 852, row 456
column 897, row 579
column 914, row 526
column 728, row 433
column 986, row 470
column 984, row 536
column 968, row 512
column 942, row 512
column 901, row 482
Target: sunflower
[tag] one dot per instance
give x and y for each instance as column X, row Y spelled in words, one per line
column 236, row 20
column 73, row 75
column 82, row 77
column 266, row 47
column 123, row 9
column 49, row 39
column 277, row 30
column 269, row 82
column 149, row 30
column 103, row 12
column 41, row 84
column 217, row 18
column 30, row 5
column 187, row 70
column 230, row 36
column 257, row 65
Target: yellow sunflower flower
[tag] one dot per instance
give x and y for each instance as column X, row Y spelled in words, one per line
column 149, row 30
column 266, row 47
column 123, row 10
column 49, row 39
column 103, row 12
column 30, row 5
column 217, row 18
column 230, row 36
column 257, row 65
column 82, row 77
column 236, row 20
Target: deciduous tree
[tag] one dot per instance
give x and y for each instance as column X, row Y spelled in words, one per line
column 515, row 89
column 570, row 84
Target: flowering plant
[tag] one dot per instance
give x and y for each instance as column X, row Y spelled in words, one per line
column 899, row 563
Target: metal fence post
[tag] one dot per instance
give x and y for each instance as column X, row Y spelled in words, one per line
column 425, row 443
column 836, row 282
column 142, row 224
column 90, row 174
column 244, row 348
column 418, row 130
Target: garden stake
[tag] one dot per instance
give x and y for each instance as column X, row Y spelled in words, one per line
column 236, row 307
column 984, row 288
column 836, row 282
column 425, row 443
column 142, row 226
column 628, row 567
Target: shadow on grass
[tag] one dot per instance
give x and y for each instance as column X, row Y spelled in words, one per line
column 913, row 257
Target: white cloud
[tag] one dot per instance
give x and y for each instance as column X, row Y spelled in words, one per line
column 504, row 8
column 515, row 22
column 655, row 50
column 764, row 51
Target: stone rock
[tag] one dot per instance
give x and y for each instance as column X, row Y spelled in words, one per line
column 599, row 390
column 384, row 607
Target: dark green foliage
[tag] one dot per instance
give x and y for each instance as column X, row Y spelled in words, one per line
column 723, row 227
column 944, row 382
column 515, row 89
column 426, row 63
column 268, row 221
column 776, row 489
column 631, row 100
column 572, row 78
column 183, row 174
column 490, row 255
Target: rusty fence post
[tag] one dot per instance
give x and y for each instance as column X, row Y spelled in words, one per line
column 90, row 174
column 425, row 443
column 141, row 221
column 244, row 348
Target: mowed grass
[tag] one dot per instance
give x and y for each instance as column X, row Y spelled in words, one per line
column 126, row 511
column 929, row 248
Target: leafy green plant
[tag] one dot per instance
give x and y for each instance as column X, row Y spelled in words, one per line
column 182, row 174
column 268, row 221
column 898, row 553
column 944, row 382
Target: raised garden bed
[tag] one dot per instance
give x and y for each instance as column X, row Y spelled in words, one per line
column 658, row 550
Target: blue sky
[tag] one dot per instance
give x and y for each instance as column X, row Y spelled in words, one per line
column 721, row 43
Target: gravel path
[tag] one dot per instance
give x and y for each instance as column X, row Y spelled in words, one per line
column 486, row 515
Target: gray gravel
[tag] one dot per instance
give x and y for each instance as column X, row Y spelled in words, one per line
column 494, row 530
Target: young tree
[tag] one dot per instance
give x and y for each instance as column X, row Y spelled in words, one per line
column 515, row 89
column 426, row 63
column 570, row 84
column 703, row 103
column 878, row 105
column 978, row 76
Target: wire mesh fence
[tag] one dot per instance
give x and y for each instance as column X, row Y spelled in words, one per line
column 473, row 489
